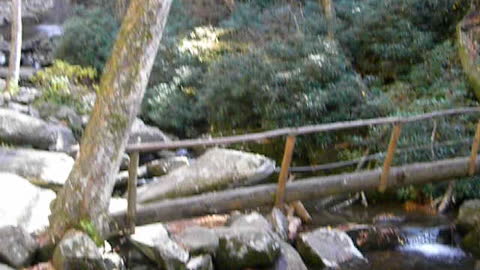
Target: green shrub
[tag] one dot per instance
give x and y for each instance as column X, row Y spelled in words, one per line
column 88, row 38
column 66, row 84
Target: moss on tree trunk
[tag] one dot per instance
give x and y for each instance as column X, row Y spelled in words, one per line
column 87, row 193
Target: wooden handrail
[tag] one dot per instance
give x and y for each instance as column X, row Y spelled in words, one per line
column 155, row 146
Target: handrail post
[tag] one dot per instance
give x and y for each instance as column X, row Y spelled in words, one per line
column 392, row 146
column 282, row 178
column 474, row 152
column 132, row 191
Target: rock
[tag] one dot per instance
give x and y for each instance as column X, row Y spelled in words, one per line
column 117, row 205
column 254, row 220
column 246, row 247
column 469, row 215
column 29, row 211
column 215, row 170
column 153, row 241
column 17, row 246
column 113, row 261
column 144, row 133
column 26, row 95
column 471, row 242
column 327, row 248
column 289, row 259
column 198, row 240
column 77, row 251
column 61, row 114
column 5, row 267
column 279, row 223
column 203, row 262
column 21, row 129
column 40, row 167
column 163, row 166
column 31, row 10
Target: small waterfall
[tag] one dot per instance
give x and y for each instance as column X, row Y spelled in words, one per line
column 426, row 242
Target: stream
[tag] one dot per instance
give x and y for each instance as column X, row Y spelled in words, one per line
column 431, row 242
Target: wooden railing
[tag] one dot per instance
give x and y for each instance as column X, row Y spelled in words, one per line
column 291, row 133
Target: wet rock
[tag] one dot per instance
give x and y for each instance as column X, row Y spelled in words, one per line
column 327, row 248
column 203, row 262
column 21, row 129
column 215, row 170
column 40, row 167
column 163, row 166
column 144, row 133
column 279, row 223
column 244, row 247
column 29, row 211
column 113, row 261
column 17, row 246
column 198, row 240
column 77, row 251
column 154, row 241
column 469, row 215
column 289, row 258
column 368, row 238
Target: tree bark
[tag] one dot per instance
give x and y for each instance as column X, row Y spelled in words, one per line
column 305, row 189
column 86, row 195
column 15, row 46
column 327, row 6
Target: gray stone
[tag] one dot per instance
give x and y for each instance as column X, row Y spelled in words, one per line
column 198, row 240
column 40, row 167
column 289, row 259
column 26, row 95
column 17, row 246
column 31, row 10
column 469, row 215
column 30, row 210
column 5, row 267
column 254, row 220
column 113, row 261
column 244, row 247
column 215, row 170
column 77, row 251
column 153, row 241
column 279, row 223
column 21, row 129
column 326, row 247
column 144, row 133
column 203, row 262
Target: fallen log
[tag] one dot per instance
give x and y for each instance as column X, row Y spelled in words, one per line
column 306, row 189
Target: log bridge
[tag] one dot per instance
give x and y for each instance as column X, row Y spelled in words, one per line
column 303, row 189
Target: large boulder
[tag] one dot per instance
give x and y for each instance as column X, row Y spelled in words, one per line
column 144, row 133
column 17, row 246
column 40, row 167
column 23, row 204
column 215, row 170
column 31, row 9
column 289, row 258
column 246, row 247
column 77, row 251
column 21, row 129
column 469, row 215
column 153, row 241
column 198, row 240
column 326, row 247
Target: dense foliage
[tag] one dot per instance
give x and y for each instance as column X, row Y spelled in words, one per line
column 229, row 67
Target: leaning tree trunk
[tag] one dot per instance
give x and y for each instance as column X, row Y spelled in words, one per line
column 327, row 6
column 15, row 46
column 87, row 192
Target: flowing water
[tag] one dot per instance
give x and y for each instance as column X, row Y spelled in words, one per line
column 431, row 242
